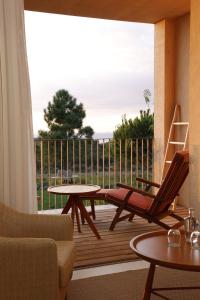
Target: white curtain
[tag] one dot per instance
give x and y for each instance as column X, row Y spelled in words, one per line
column 17, row 167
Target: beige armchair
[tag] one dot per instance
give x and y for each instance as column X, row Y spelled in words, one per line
column 37, row 254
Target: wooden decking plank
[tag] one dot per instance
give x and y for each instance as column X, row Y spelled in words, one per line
column 94, row 262
column 114, row 245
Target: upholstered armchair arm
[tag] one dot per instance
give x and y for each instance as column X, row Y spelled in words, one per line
column 28, row 269
column 58, row 227
column 16, row 224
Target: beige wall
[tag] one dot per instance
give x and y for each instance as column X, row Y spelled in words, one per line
column 186, row 89
column 171, row 85
column 194, row 107
column 164, row 89
column 182, row 36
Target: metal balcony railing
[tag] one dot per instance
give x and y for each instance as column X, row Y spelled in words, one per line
column 103, row 162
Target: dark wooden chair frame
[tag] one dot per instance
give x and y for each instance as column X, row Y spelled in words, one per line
column 169, row 189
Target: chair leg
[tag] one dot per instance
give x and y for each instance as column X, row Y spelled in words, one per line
column 93, row 209
column 131, row 217
column 116, row 217
column 82, row 218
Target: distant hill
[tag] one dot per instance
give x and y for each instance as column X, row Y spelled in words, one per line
column 97, row 135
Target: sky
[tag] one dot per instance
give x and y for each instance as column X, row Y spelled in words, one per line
column 104, row 64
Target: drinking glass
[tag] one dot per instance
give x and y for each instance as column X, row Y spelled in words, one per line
column 195, row 240
column 174, row 238
column 189, row 224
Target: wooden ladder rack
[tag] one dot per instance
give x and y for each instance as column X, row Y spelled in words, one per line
column 176, row 123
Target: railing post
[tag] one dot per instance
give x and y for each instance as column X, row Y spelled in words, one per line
column 136, row 162
column 55, row 162
column 131, row 154
column 97, row 162
column 79, row 160
column 86, row 161
column 41, row 175
column 125, row 162
column 115, row 169
column 49, row 173
column 120, row 160
column 109, row 163
column 103, row 164
column 92, row 163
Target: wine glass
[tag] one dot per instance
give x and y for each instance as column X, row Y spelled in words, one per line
column 174, row 238
column 195, row 240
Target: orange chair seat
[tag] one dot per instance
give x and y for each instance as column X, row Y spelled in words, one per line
column 137, row 200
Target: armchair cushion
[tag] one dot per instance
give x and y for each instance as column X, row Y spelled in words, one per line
column 140, row 201
column 117, row 194
column 66, row 258
column 135, row 199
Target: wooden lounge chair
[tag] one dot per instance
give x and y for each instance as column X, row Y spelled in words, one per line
column 154, row 208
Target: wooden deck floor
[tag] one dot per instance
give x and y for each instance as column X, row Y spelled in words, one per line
column 114, row 245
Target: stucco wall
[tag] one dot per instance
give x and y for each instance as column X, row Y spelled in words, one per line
column 172, row 39
column 182, row 41
column 194, row 107
column 164, row 90
column 182, row 26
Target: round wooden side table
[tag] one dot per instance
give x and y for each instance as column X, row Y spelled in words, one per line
column 153, row 247
column 75, row 203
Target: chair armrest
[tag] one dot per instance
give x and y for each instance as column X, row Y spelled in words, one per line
column 148, row 182
column 16, row 224
column 28, row 269
column 135, row 190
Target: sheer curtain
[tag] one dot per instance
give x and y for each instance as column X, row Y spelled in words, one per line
column 17, row 167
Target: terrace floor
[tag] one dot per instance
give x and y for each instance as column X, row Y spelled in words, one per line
column 114, row 245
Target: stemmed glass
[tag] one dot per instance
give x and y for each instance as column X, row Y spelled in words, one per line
column 174, row 238
column 195, row 237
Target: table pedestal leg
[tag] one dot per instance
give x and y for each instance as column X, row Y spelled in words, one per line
column 82, row 219
column 71, row 203
column 85, row 214
column 149, row 282
column 73, row 212
column 77, row 219
column 75, row 203
column 93, row 210
column 68, row 205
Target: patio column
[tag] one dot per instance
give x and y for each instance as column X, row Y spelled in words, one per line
column 164, row 98
column 17, row 174
column 194, row 107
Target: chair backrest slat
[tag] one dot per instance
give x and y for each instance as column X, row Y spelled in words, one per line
column 172, row 183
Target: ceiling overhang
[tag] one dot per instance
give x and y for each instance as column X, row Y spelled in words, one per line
column 145, row 11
